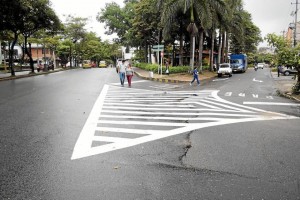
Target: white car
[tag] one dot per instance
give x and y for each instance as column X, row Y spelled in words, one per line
column 225, row 69
column 260, row 65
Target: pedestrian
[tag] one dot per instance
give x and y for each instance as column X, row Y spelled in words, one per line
column 278, row 70
column 129, row 74
column 195, row 76
column 167, row 67
column 121, row 71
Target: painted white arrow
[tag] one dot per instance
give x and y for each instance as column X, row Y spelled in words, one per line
column 257, row 80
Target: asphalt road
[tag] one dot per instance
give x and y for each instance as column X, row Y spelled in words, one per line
column 78, row 134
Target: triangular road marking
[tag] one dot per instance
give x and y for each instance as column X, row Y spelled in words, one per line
column 155, row 115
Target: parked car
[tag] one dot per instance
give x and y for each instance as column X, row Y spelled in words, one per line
column 225, row 69
column 86, row 64
column 102, row 63
column 261, row 65
column 288, row 70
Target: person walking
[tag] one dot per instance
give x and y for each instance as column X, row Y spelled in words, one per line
column 129, row 74
column 195, row 74
column 278, row 70
column 121, row 71
column 167, row 67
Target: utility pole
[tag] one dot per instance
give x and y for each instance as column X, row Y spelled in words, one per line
column 295, row 28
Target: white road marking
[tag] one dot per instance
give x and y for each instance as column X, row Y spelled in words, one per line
column 220, row 79
column 228, row 94
column 271, row 103
column 257, row 80
column 242, row 94
column 255, row 95
column 204, row 109
column 132, row 82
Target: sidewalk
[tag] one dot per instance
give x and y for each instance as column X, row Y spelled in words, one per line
column 25, row 73
column 284, row 85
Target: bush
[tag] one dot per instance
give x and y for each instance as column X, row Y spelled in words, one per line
column 154, row 68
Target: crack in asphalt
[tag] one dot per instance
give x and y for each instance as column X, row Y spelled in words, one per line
column 188, row 145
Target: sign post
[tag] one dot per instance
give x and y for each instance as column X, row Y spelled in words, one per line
column 158, row 49
column 161, row 63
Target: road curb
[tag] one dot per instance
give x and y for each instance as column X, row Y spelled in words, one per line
column 287, row 95
column 30, row 75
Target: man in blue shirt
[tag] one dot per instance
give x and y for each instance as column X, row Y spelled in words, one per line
column 195, row 74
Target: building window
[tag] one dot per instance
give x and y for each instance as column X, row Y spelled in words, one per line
column 45, row 51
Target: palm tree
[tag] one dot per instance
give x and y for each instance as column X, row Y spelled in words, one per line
column 231, row 27
column 200, row 12
column 208, row 21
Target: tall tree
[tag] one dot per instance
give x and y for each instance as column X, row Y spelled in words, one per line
column 75, row 31
column 118, row 20
column 26, row 17
column 245, row 41
column 199, row 13
column 146, row 25
column 286, row 54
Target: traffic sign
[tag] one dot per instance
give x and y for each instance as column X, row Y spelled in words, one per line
column 158, row 46
column 161, row 49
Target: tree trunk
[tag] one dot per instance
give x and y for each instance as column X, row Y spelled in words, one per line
column 226, row 48
column 54, row 58
column 298, row 81
column 149, row 59
column 211, row 63
column 28, row 53
column 147, row 53
column 181, row 50
column 201, row 32
column 192, row 53
column 70, row 53
column 11, row 54
column 173, row 55
column 223, row 46
column 219, row 50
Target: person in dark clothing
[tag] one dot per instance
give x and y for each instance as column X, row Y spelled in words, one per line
column 279, row 70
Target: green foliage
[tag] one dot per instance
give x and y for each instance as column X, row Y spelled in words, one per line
column 74, row 28
column 154, row 68
column 247, row 38
column 286, row 54
column 118, row 20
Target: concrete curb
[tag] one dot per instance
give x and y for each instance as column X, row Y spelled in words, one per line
column 287, row 95
column 31, row 74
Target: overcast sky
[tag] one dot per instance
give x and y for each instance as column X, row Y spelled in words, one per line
column 271, row 16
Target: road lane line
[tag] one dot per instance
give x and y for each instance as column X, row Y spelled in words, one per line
column 271, row 103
